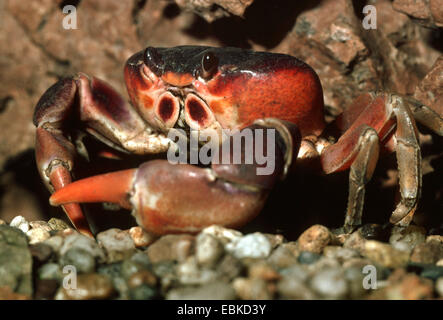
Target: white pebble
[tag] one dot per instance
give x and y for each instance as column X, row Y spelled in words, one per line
column 20, row 223
column 439, row 286
column 37, row 235
column 254, row 245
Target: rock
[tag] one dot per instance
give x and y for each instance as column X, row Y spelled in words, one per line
column 81, row 259
column 77, row 240
column 214, row 291
column 142, row 277
column 432, row 272
column 330, row 283
column 2, row 222
column 275, row 239
column 171, row 248
column 229, row 267
column 281, row 258
column 57, row 224
column 189, row 273
column 141, row 237
column 314, row 239
column 355, row 276
column 40, row 252
column 252, row 289
column 295, row 272
column 428, row 252
column 254, row 245
column 225, row 235
column 129, row 267
column 293, row 288
column 439, row 263
column 40, row 225
column 385, row 254
column 37, row 235
column 50, row 271
column 307, row 257
column 118, row 244
column 208, row 249
column 428, row 13
column 45, row 289
column 142, row 292
column 355, row 241
column 15, row 261
column 263, row 270
column 340, row 253
column 89, row 287
column 374, row 231
column 439, row 286
column 407, row 237
column 54, row 242
column 20, row 223
column 7, row 294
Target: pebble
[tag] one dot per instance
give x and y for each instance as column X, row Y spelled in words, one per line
column 2, row 222
column 118, row 244
column 57, row 224
column 429, row 252
column 282, row 258
column 252, row 289
column 308, row 257
column 77, row 240
column 407, row 237
column 330, row 283
column 374, row 231
column 212, row 291
column 355, row 277
column 50, row 271
column 355, row 241
column 208, row 250
column 254, row 245
column 20, row 223
column 6, row 293
column 141, row 238
column 142, row 292
column 40, row 252
column 81, row 259
column 171, row 248
column 37, row 235
column 55, row 242
column 40, row 225
column 89, row 286
column 263, row 270
column 385, row 255
column 189, row 273
column 15, row 260
column 225, row 235
column 314, row 239
column 439, row 286
column 129, row 267
column 294, row 289
column 407, row 286
column 229, row 267
column 142, row 277
column 45, row 289
column 340, row 253
column 295, row 272
column 432, row 272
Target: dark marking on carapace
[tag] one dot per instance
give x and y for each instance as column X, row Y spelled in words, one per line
column 166, row 108
column 196, row 111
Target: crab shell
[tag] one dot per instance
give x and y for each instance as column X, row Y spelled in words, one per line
column 246, row 85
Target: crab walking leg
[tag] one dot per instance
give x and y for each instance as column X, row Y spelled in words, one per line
column 409, row 163
column 425, row 115
column 360, row 173
column 103, row 112
column 173, row 198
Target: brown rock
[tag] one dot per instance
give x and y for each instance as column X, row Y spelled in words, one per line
column 430, row 90
column 89, row 287
column 141, row 237
column 314, row 239
column 171, row 247
column 6, row 293
column 142, row 277
column 428, row 252
column 252, row 289
column 426, row 12
column 385, row 255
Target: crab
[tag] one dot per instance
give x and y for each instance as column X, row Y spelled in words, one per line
column 198, row 88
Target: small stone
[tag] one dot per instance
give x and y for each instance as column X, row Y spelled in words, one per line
column 81, row 259
column 429, row 252
column 129, row 267
column 77, row 240
column 142, row 292
column 295, row 272
column 54, row 242
column 254, row 245
column 374, row 231
column 141, row 237
column 385, row 255
column 118, row 244
column 37, row 235
column 407, row 286
column 439, row 286
column 407, row 237
column 57, row 224
column 434, row 238
column 323, row 263
column 275, row 239
column 225, row 235
column 6, row 293
column 252, row 289
column 50, row 271
column 20, row 223
column 340, row 253
column 89, row 286
column 314, row 239
column 189, row 273
column 208, row 249
column 171, row 248
column 2, row 222
column 355, row 241
column 293, row 289
column 142, row 277
column 229, row 267
column 263, row 270
column 355, row 276
column 307, row 257
column 330, row 283
column 214, row 291
column 432, row 272
column 40, row 225
column 439, row 263
column 45, row 289
column 282, row 258
column 40, row 252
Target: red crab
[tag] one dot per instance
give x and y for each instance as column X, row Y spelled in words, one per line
column 197, row 87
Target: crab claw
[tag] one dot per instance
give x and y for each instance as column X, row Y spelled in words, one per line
column 110, row 187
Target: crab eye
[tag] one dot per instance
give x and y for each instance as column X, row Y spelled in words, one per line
column 153, row 61
column 209, row 65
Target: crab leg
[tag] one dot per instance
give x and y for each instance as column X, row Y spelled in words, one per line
column 103, row 112
column 168, row 198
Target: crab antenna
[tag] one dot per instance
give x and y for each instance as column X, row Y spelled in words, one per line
column 110, row 187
